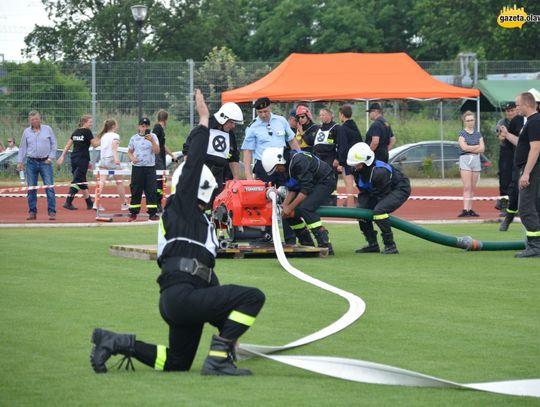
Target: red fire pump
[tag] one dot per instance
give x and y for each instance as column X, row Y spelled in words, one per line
column 244, row 211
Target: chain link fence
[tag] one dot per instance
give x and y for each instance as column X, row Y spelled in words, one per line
column 63, row 91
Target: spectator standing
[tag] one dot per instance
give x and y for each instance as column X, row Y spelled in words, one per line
column 528, row 161
column 38, row 145
column 161, row 163
column 350, row 136
column 510, row 136
column 325, row 145
column 506, row 157
column 11, row 145
column 306, row 129
column 142, row 150
column 110, row 159
column 379, row 137
column 267, row 130
column 81, row 140
column 293, row 122
column 471, row 144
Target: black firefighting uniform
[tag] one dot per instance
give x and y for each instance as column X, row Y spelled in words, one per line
column 80, row 158
column 222, row 150
column 383, row 188
column 187, row 299
column 161, row 163
column 514, row 127
column 324, row 143
column 313, row 177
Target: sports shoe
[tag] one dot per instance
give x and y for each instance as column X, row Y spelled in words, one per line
column 101, row 208
column 124, row 207
column 31, row 216
column 52, row 216
column 153, row 217
column 69, row 206
column 132, row 217
column 464, row 213
column 473, row 213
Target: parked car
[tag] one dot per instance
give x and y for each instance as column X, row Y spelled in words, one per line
column 418, row 158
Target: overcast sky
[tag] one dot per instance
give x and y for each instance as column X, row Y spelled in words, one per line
column 17, row 19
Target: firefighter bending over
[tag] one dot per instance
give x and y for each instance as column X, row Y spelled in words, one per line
column 310, row 182
column 384, row 189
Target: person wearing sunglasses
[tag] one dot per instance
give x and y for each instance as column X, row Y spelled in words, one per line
column 306, row 129
column 11, row 146
column 471, row 144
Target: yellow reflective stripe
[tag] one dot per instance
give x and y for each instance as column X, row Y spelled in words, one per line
column 314, row 225
column 159, row 190
column 382, row 216
column 298, row 226
column 75, row 186
column 134, row 206
column 241, row 318
column 511, row 211
column 218, row 354
column 533, row 234
column 161, row 357
column 162, row 227
column 151, row 206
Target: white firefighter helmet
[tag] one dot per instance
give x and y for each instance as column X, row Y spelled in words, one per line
column 271, row 157
column 229, row 111
column 207, row 183
column 360, row 153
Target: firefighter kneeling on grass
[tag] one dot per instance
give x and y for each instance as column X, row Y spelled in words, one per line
column 190, row 291
column 310, row 182
column 384, row 189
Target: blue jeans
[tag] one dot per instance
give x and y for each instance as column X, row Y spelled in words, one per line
column 33, row 169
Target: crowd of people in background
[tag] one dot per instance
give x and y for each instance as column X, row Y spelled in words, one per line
column 327, row 140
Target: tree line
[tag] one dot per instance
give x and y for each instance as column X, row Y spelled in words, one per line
column 269, row 30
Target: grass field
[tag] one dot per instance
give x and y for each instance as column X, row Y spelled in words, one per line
column 462, row 316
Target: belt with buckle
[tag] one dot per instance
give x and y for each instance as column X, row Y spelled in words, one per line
column 190, row 266
column 39, row 159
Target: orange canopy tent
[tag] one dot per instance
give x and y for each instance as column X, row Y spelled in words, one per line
column 347, row 76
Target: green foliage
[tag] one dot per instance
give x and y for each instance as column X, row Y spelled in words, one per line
column 44, row 88
column 433, row 309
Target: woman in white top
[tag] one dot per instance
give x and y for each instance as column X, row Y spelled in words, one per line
column 110, row 160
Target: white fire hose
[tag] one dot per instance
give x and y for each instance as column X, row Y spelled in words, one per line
column 360, row 370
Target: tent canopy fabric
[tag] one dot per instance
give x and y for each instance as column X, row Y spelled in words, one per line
column 347, row 76
column 495, row 93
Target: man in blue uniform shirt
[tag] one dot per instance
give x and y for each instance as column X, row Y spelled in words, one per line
column 267, row 130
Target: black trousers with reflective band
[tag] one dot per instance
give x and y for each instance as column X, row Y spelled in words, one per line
column 143, row 179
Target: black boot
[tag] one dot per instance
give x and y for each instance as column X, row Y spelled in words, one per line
column 221, row 358
column 304, row 237
column 372, row 246
column 69, row 203
column 389, row 244
column 508, row 219
column 106, row 344
column 532, row 248
column 89, row 203
column 321, row 235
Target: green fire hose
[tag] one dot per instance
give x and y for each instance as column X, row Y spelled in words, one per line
column 465, row 242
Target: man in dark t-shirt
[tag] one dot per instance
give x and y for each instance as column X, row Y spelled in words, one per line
column 527, row 160
column 81, row 140
column 379, row 136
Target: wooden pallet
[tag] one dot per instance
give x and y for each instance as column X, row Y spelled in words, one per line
column 149, row 252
